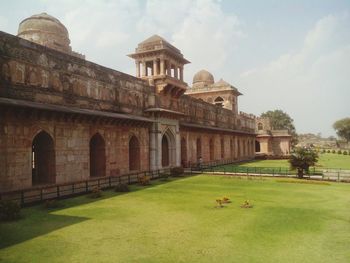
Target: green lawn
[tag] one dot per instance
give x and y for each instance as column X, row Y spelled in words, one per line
column 326, row 160
column 176, row 222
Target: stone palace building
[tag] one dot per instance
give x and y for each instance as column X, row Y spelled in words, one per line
column 65, row 119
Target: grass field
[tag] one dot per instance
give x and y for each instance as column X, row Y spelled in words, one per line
column 326, row 160
column 176, row 221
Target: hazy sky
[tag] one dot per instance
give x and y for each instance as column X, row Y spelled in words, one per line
column 289, row 55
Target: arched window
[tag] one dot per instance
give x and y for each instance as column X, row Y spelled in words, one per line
column 134, row 154
column 219, row 101
column 260, row 126
column 199, row 148
column 183, row 152
column 97, row 156
column 211, row 149
column 257, row 146
column 43, row 159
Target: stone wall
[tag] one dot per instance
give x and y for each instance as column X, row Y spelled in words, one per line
column 242, row 146
column 33, row 72
column 71, row 143
column 36, row 73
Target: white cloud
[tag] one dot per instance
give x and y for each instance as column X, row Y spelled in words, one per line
column 311, row 83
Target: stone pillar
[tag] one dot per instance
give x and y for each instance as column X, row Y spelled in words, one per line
column 175, row 71
column 155, row 68
column 144, row 69
column 154, row 147
column 181, row 73
column 168, row 68
column 137, row 68
column 162, row 67
column 178, row 145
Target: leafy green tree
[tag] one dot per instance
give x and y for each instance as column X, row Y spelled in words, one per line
column 302, row 158
column 280, row 120
column 342, row 127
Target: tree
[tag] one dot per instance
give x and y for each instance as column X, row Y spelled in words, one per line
column 280, row 120
column 302, row 158
column 342, row 127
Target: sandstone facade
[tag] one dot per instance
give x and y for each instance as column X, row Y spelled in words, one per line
column 66, row 119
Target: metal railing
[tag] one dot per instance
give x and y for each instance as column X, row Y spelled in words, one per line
column 328, row 174
column 39, row 194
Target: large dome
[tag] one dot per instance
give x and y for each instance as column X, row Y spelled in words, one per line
column 45, row 30
column 203, row 78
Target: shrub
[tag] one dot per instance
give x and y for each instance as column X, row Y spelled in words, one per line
column 345, row 153
column 247, row 204
column 122, row 188
column 9, row 210
column 328, row 151
column 219, row 203
column 226, row 200
column 52, row 203
column 333, row 151
column 323, row 151
column 339, row 152
column 95, row 193
column 144, row 180
column 177, row 171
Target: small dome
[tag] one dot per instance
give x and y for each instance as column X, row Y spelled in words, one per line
column 45, row 30
column 203, row 78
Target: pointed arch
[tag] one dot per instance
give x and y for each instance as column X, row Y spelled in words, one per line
column 168, row 149
column 211, row 149
column 199, row 147
column 257, row 146
column 134, row 154
column 97, row 156
column 43, row 159
column 219, row 101
column 222, row 143
column 183, row 152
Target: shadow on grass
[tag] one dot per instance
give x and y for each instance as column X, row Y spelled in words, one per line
column 34, row 222
column 37, row 221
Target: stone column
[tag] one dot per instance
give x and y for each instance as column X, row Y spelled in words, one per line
column 181, row 73
column 154, row 147
column 137, row 68
column 162, row 67
column 144, row 69
column 178, row 145
column 175, row 71
column 155, row 68
column 168, row 68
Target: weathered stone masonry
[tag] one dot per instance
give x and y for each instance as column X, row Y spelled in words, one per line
column 66, row 119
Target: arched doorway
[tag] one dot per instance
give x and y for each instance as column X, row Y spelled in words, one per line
column 222, row 142
column 134, row 154
column 165, row 151
column 211, row 149
column 183, row 152
column 43, row 159
column 239, row 148
column 168, row 149
column 231, row 149
column 97, row 156
column 199, row 148
column 257, row 146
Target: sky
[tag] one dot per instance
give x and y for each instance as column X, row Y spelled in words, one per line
column 288, row 55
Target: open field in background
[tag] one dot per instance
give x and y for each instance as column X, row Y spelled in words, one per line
column 176, row 221
column 326, row 160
